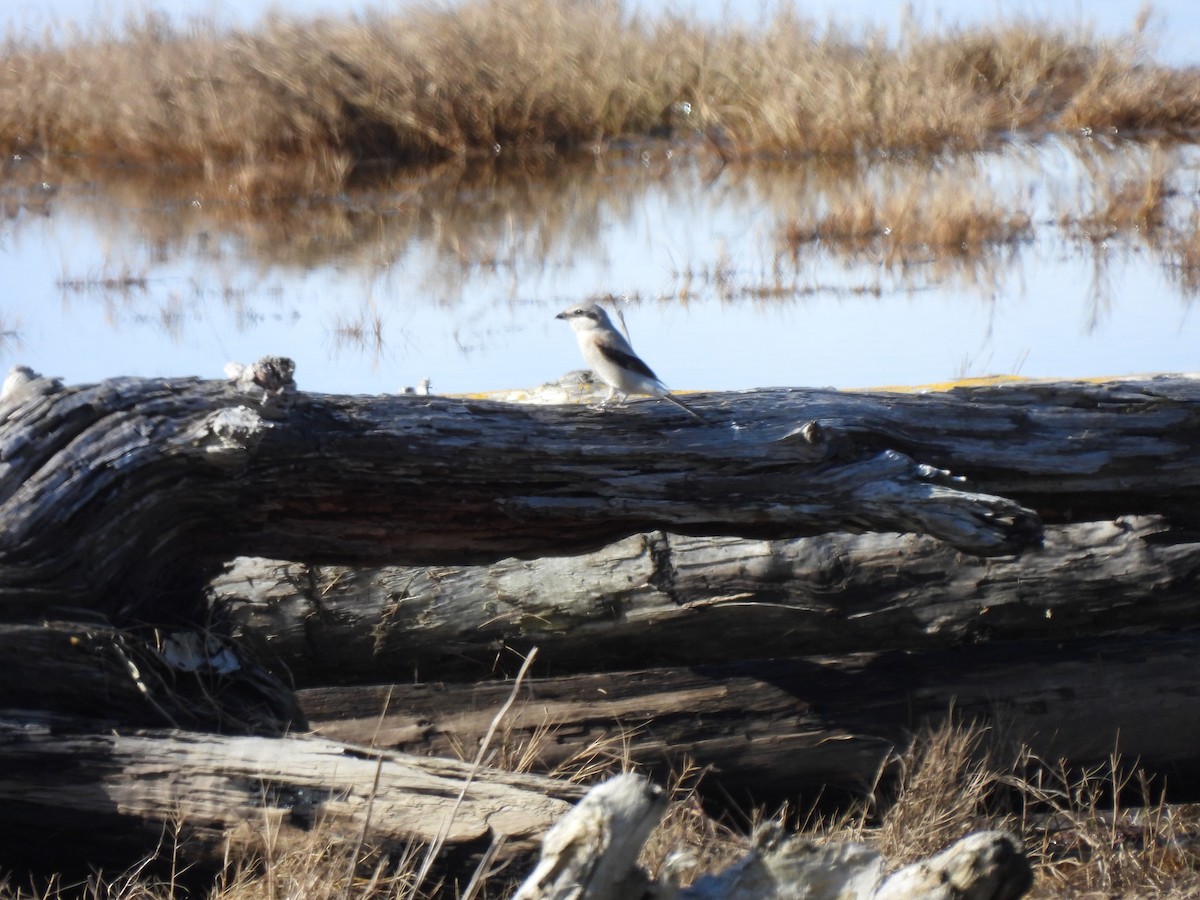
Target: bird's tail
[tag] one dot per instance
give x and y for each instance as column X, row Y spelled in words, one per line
column 685, row 407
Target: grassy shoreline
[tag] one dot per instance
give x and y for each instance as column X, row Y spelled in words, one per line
column 297, row 105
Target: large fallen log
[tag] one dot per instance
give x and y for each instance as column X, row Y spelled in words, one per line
column 770, row 728
column 127, row 495
column 75, row 792
column 667, row 599
column 760, row 726
column 123, row 499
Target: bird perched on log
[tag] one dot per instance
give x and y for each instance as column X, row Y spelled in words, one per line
column 612, row 359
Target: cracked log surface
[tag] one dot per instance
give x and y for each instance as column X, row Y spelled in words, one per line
column 71, row 788
column 680, row 600
column 126, row 495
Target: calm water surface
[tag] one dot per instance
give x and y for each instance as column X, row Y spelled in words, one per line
column 460, row 282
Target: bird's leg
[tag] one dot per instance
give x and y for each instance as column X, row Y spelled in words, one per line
column 603, row 403
column 613, row 395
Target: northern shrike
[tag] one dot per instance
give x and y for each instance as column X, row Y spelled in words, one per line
column 612, row 360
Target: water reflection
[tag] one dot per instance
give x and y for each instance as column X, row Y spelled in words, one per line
column 1069, row 258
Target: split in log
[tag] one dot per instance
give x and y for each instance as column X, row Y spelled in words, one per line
column 767, row 729
column 75, row 794
column 678, row 600
column 591, row 854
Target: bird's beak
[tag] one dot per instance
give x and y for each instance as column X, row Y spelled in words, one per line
column 561, row 315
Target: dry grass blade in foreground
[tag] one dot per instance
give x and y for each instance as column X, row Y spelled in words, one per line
column 298, row 105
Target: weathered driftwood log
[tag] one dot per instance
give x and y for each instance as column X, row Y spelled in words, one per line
column 125, row 495
column 591, row 854
column 985, row 865
column 592, row 851
column 73, row 794
column 666, row 599
column 773, row 727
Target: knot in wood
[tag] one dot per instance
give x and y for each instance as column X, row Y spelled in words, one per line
column 272, row 375
column 231, row 434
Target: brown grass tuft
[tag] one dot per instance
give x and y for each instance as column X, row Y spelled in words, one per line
column 946, row 782
column 1125, row 93
column 305, row 106
column 1088, row 839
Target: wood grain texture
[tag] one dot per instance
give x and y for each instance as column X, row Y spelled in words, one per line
column 666, row 599
column 71, row 789
column 153, row 483
column 777, row 726
column 672, row 561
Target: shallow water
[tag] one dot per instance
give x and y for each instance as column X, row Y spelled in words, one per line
column 457, row 278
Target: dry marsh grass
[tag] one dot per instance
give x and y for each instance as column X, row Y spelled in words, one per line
column 1105, row 832
column 301, row 106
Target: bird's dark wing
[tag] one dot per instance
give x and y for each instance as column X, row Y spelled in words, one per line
column 626, row 360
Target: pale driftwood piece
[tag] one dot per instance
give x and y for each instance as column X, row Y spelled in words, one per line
column 591, row 854
column 72, row 795
column 988, row 865
column 779, row 867
column 777, row 727
column 592, row 851
column 125, row 496
column 678, row 600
